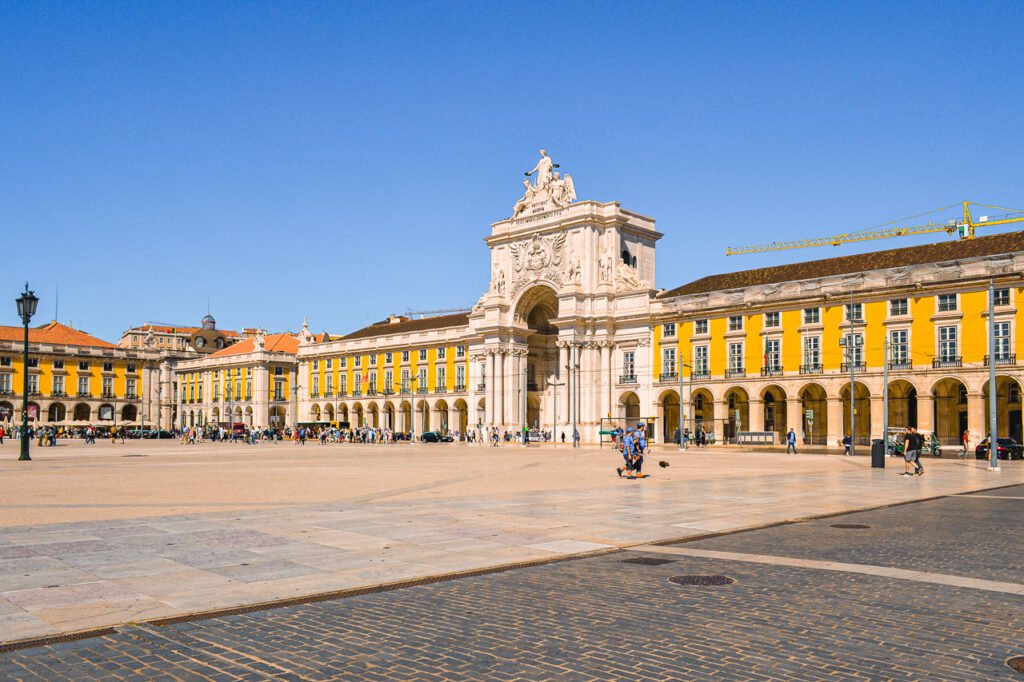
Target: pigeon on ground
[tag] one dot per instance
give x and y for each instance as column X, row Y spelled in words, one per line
column 663, row 464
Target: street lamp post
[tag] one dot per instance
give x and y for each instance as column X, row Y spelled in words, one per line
column 682, row 438
column 27, row 303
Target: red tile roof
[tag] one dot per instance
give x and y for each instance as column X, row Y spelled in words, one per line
column 1009, row 242
column 273, row 343
column 55, row 333
column 404, row 325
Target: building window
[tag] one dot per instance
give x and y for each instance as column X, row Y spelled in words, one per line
column 108, row 387
column 735, row 357
column 441, row 353
column 357, row 379
column 812, row 352
column 1002, row 296
column 855, row 349
column 108, row 367
column 668, row 329
column 854, row 312
column 358, row 361
column 947, row 302
column 421, row 380
column 668, row 361
column 343, row 384
column 405, row 356
column 405, row 380
column 33, row 363
column 441, row 378
column 329, row 384
column 238, row 390
column 58, row 385
column 899, row 348
column 629, row 364
column 330, row 363
column 460, row 377
column 33, row 384
column 343, row 362
column 373, row 383
column 947, row 344
column 59, row 364
column 1002, row 341
column 898, row 306
column 389, row 380
column 316, row 365
column 5, row 361
column 83, row 366
column 279, row 371
column 735, row 323
column 216, row 392
column 5, row 384
column 700, row 327
column 388, row 358
column 460, row 351
column 278, row 390
column 812, row 315
column 316, row 385
column 83, row 386
column 771, row 319
column 773, row 355
column 423, row 354
column 700, row 361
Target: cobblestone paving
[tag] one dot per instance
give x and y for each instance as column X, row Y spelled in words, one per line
column 600, row 618
column 941, row 536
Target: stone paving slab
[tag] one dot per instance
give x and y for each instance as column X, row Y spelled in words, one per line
column 424, row 524
column 594, row 618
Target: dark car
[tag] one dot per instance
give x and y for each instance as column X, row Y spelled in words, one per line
column 149, row 433
column 1006, row 448
column 435, row 437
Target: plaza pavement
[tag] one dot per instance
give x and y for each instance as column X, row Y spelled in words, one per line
column 110, row 534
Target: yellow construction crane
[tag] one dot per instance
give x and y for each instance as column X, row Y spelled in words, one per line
column 963, row 228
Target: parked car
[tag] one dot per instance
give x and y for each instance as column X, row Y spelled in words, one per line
column 149, row 433
column 1006, row 448
column 436, row 437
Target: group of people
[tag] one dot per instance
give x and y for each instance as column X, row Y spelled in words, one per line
column 632, row 444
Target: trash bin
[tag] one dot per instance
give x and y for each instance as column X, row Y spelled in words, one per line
column 877, row 453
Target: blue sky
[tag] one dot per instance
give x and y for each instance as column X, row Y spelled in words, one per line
column 344, row 160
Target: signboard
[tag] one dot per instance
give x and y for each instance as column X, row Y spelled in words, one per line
column 106, row 413
column 33, row 412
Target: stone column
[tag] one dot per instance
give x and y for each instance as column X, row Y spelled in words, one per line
column 512, row 388
column 722, row 416
column 877, row 417
column 756, row 410
column 261, row 395
column 166, row 396
column 499, row 388
column 453, row 419
column 604, row 379
column 835, row 420
column 563, row 391
column 976, row 424
column 795, row 419
column 489, row 384
column 926, row 413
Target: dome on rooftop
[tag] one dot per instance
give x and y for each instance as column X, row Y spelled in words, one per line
column 209, row 322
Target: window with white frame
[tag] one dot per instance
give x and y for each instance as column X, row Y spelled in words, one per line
column 735, row 323
column 238, row 390
column 330, row 363
column 357, row 361
column 668, row 329
column 58, row 385
column 947, row 303
column 423, row 354
column 83, row 366
column 108, row 387
column 199, row 394
column 343, row 383
column 629, row 364
column 316, row 385
column 129, row 385
column 899, row 347
column 700, row 326
column 373, row 383
column 357, row 379
column 389, row 357
column 329, row 384
column 107, row 366
column 5, row 383
column 389, row 381
column 421, row 380
column 441, row 353
column 854, row 349
column 854, row 312
column 812, row 315
column 279, row 371
column 59, row 364
column 1001, row 296
column 248, row 389
column 405, row 380
column 668, row 361
column 700, row 361
column 405, row 356
column 1002, row 341
column 773, row 355
column 316, row 365
column 216, row 391
column 343, row 362
column 460, row 351
column 83, row 386
column 441, row 378
column 278, row 389
column 812, row 353
column 771, row 319
column 33, row 383
column 898, row 306
column 460, row 377
column 735, row 357
column 947, row 344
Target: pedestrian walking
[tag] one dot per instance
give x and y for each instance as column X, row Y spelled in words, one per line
column 791, row 441
column 963, row 440
column 847, row 441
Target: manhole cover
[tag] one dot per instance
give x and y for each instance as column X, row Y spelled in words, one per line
column 648, row 561
column 1016, row 664
column 854, row 526
column 701, row 580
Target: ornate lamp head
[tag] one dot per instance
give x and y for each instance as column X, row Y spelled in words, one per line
column 27, row 304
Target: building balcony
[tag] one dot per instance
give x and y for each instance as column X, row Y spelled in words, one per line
column 901, row 364
column 947, row 362
column 388, row 390
column 110, row 395
column 403, row 391
column 342, row 394
column 482, row 386
column 328, row 394
column 700, row 374
column 422, row 391
column 279, row 399
column 771, row 371
column 357, row 393
column 669, row 376
column 627, row 379
column 855, row 366
column 1004, row 359
column 811, row 369
column 33, row 391
column 58, row 394
column 460, row 388
column 6, row 391
column 85, row 394
column 440, row 389
column 131, row 396
column 735, row 372
column 314, row 394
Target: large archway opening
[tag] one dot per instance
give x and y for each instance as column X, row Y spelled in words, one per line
column 702, row 407
column 950, row 410
column 775, row 414
column 738, row 418
column 814, row 401
column 535, row 314
column 668, row 412
column 902, row 404
column 861, row 416
column 1008, row 409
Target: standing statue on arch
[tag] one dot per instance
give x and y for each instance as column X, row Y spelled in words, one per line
column 550, row 191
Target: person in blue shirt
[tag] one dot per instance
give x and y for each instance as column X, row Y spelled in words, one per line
column 627, row 454
column 791, row 441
